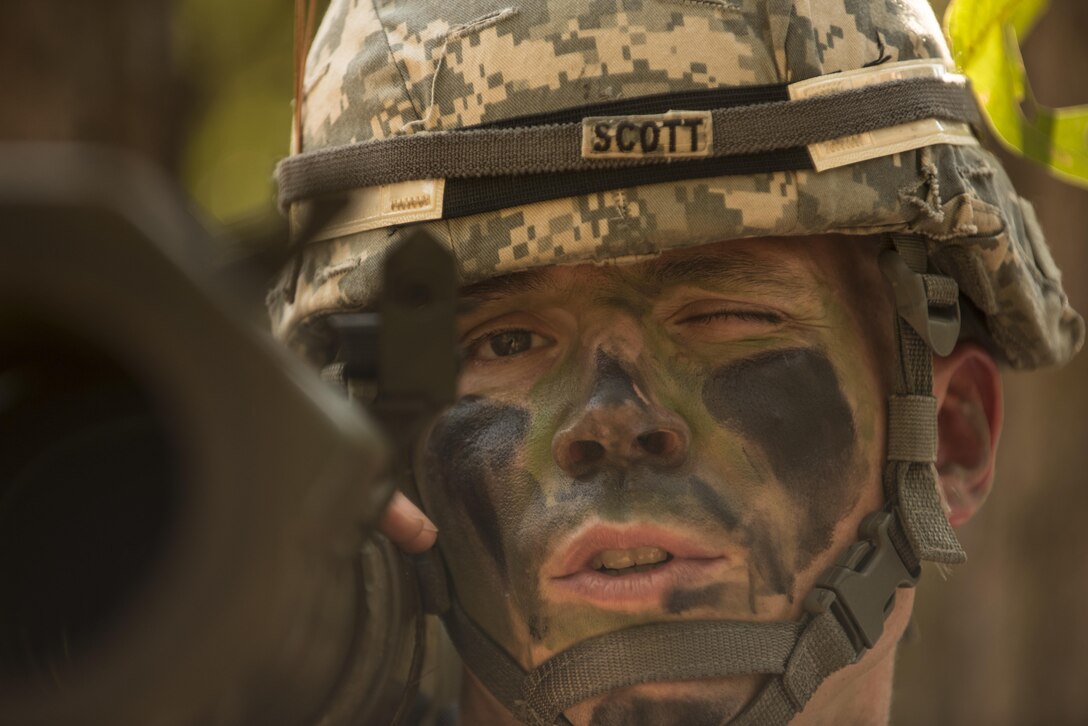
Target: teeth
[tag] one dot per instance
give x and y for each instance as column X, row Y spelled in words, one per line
column 622, row 559
column 649, row 555
column 616, row 559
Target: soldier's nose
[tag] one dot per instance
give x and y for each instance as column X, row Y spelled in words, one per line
column 619, row 427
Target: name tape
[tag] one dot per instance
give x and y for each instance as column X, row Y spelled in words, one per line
column 894, row 139
column 376, row 207
column 676, row 134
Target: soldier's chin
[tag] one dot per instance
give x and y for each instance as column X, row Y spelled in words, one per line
column 690, row 703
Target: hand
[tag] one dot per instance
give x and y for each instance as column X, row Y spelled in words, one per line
column 406, row 526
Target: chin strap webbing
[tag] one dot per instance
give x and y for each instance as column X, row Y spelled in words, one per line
column 823, row 648
column 659, row 652
column 845, row 612
column 928, row 322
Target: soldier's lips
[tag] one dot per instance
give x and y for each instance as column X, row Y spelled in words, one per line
column 576, row 573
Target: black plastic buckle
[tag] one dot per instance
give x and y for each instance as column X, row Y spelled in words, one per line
column 860, row 588
column 939, row 326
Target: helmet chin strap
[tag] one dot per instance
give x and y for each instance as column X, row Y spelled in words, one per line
column 845, row 612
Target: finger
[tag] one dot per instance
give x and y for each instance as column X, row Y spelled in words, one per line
column 406, row 526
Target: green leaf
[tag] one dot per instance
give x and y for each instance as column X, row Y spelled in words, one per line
column 985, row 36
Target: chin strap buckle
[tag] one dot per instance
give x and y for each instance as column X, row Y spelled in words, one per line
column 859, row 589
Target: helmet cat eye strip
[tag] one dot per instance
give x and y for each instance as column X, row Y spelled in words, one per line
column 464, row 197
column 624, row 142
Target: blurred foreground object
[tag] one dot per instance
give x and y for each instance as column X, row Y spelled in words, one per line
column 183, row 506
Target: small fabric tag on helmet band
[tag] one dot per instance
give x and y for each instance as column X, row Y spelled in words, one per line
column 369, row 208
column 894, row 139
column 675, row 134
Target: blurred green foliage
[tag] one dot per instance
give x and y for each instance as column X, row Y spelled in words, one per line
column 985, row 36
column 237, row 58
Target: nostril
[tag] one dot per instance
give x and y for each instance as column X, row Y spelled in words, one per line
column 615, row 442
column 655, row 443
column 662, row 445
column 583, row 453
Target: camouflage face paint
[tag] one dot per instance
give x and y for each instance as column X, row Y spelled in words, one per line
column 617, row 357
column 681, row 600
column 714, row 503
column 472, row 446
column 613, row 385
column 790, row 403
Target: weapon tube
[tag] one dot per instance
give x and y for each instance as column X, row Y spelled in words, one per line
column 186, row 509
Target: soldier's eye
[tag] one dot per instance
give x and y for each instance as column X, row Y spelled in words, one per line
column 504, row 343
column 510, row 342
column 725, row 321
column 747, row 316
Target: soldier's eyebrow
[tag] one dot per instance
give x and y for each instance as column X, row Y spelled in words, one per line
column 728, row 269
column 505, row 285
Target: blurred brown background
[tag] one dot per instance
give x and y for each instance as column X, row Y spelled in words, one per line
column 203, row 87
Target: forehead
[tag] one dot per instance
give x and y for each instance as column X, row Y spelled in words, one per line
column 788, row 266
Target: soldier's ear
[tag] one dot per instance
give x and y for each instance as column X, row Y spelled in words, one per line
column 970, row 409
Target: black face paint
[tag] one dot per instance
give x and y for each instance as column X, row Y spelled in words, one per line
column 634, row 711
column 538, row 628
column 472, row 445
column 766, row 558
column 613, row 385
column 681, row 599
column 714, row 504
column 764, row 555
column 790, row 403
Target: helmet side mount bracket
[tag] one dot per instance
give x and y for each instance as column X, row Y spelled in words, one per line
column 936, row 321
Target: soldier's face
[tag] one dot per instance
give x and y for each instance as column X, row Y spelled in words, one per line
column 693, row 437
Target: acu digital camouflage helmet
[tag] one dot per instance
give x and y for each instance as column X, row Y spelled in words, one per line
column 563, row 132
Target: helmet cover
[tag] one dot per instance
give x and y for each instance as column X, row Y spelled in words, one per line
column 394, row 68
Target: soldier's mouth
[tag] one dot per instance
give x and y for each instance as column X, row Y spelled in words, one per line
column 630, row 567
column 629, row 561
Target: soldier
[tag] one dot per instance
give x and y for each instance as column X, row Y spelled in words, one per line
column 738, row 280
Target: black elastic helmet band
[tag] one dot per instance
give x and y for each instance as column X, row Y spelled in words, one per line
column 756, row 137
